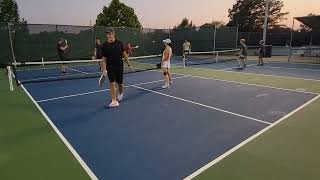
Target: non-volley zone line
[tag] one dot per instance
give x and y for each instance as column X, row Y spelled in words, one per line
column 103, row 90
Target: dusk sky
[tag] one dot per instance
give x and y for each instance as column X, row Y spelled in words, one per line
column 151, row 13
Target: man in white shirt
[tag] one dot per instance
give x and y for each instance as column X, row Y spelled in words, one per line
column 186, row 49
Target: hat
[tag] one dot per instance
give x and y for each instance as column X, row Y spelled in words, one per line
column 110, row 30
column 168, row 41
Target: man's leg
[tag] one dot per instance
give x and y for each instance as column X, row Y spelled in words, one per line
column 119, row 80
column 166, row 78
column 63, row 69
column 170, row 77
column 113, row 91
column 245, row 61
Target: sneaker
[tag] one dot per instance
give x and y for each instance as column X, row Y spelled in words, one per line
column 114, row 104
column 165, row 86
column 63, row 72
column 120, row 97
column 171, row 83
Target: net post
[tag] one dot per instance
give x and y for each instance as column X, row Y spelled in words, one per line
column 237, row 37
column 42, row 60
column 265, row 24
column 11, row 45
column 214, row 37
column 9, row 70
column 291, row 39
column 217, row 55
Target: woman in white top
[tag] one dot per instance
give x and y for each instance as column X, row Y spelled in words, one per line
column 186, row 49
column 166, row 58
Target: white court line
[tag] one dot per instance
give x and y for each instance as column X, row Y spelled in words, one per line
column 64, row 140
column 58, row 76
column 75, row 70
column 202, row 105
column 50, row 68
column 98, row 91
column 279, row 62
column 218, row 159
column 69, row 96
column 267, row 75
column 288, row 68
column 248, row 84
column 235, row 67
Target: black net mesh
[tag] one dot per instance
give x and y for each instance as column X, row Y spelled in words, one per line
column 5, row 47
column 202, row 38
column 226, row 38
column 33, row 42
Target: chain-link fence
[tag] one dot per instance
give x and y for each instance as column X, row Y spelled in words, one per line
column 5, row 47
column 37, row 42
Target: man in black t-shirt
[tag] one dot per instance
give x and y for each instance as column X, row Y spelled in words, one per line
column 62, row 46
column 112, row 65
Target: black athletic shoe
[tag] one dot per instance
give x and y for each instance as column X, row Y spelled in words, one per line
column 63, row 73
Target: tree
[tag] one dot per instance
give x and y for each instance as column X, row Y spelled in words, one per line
column 248, row 15
column 9, row 12
column 185, row 23
column 214, row 23
column 118, row 15
column 305, row 28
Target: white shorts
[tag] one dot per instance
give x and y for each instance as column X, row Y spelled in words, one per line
column 166, row 64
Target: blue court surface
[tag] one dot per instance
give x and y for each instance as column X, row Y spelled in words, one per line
column 160, row 134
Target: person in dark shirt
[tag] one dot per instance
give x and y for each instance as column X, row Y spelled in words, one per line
column 113, row 52
column 261, row 53
column 97, row 50
column 62, row 46
column 243, row 54
column 129, row 49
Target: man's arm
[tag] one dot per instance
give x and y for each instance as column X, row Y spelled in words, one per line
column 104, row 65
column 126, row 59
column 64, row 48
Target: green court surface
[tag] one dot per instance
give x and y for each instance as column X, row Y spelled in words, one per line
column 30, row 149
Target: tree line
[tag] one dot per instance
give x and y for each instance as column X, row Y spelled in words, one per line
column 247, row 15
